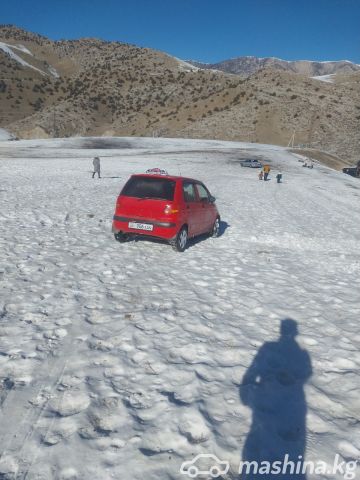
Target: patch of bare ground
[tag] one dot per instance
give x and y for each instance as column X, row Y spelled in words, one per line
column 325, row 158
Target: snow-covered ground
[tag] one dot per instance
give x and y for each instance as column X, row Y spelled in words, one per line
column 123, row 361
column 5, row 135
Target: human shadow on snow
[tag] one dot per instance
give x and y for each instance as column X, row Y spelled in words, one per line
column 273, row 387
column 205, row 236
column 223, row 227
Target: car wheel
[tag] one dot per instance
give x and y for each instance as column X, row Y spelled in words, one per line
column 214, row 472
column 180, row 242
column 216, row 228
column 192, row 471
column 121, row 237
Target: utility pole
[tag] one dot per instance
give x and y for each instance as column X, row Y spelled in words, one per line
column 291, row 141
column 54, row 124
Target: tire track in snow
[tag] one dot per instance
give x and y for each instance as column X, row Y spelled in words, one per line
column 23, row 409
column 19, row 418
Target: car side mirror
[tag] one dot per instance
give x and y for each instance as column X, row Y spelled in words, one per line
column 212, row 199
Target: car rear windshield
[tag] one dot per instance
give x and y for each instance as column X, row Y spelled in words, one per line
column 143, row 187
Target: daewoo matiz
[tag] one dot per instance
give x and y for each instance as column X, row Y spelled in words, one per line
column 167, row 207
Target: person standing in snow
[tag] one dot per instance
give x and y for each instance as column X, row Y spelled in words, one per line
column 266, row 172
column 96, row 164
column 261, row 174
column 279, row 177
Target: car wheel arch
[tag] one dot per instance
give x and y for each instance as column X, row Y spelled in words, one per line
column 184, row 225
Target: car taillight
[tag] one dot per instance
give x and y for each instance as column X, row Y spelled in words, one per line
column 169, row 210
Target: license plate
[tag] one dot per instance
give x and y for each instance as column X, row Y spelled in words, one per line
column 141, row 226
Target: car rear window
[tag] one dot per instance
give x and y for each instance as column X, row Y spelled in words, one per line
column 143, row 187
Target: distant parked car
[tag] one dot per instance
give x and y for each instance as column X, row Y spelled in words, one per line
column 353, row 171
column 251, row 163
column 167, row 207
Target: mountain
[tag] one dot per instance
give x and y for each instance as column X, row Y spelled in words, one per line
column 90, row 87
column 246, row 66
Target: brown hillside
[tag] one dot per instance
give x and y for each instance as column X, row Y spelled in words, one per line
column 92, row 87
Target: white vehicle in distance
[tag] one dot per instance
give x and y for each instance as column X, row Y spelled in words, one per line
column 197, row 465
column 251, row 163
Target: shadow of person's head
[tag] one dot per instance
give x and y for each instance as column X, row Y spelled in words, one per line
column 288, row 329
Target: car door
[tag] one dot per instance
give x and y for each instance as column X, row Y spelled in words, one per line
column 191, row 209
column 206, row 210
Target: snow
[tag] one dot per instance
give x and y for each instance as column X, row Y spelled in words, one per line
column 325, row 78
column 125, row 360
column 186, row 66
column 53, row 72
column 9, row 50
column 288, row 61
column 21, row 48
column 5, row 135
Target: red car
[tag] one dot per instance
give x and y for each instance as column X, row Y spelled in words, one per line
column 167, row 207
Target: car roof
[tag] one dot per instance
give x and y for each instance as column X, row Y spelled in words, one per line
column 169, row 177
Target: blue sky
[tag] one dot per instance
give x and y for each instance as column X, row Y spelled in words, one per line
column 205, row 30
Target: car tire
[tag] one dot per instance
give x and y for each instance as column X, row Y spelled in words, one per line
column 180, row 242
column 192, row 471
column 215, row 232
column 121, row 237
column 214, row 472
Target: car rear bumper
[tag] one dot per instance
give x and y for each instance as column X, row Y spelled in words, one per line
column 161, row 229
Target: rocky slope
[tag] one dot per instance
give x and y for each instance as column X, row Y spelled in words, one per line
column 91, row 87
column 246, row 66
